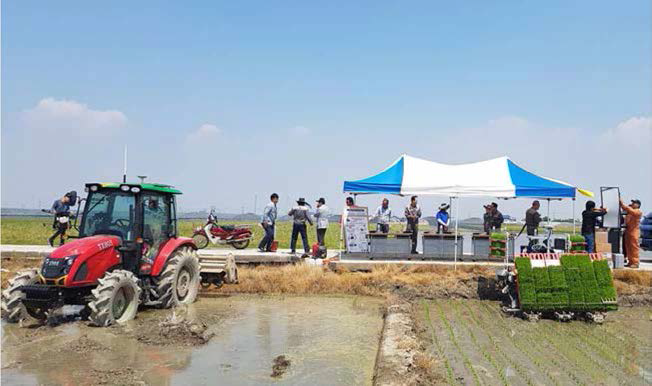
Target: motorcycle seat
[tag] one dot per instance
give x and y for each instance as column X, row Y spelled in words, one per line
column 228, row 228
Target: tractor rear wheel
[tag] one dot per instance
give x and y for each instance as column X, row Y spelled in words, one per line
column 201, row 241
column 115, row 299
column 241, row 244
column 179, row 281
column 12, row 306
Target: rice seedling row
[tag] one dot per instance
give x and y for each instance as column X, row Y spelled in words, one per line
column 533, row 344
column 497, row 347
column 482, row 348
column 462, row 353
column 449, row 370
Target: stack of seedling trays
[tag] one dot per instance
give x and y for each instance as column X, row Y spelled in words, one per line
column 576, row 285
column 497, row 246
column 577, row 244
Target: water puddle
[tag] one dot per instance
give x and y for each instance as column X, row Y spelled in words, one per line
column 327, row 340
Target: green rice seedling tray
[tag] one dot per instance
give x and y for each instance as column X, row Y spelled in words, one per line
column 577, row 284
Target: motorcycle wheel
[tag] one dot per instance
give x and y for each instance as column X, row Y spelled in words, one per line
column 240, row 244
column 201, row 241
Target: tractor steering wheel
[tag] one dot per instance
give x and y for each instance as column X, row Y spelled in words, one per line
column 122, row 223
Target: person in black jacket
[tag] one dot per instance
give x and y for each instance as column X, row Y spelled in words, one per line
column 589, row 217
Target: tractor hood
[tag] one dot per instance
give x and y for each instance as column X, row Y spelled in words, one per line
column 86, row 246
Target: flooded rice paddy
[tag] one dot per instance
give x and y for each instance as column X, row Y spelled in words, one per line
column 327, row 340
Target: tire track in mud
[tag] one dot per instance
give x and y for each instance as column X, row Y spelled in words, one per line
column 450, row 377
column 536, row 345
column 480, row 348
column 455, row 342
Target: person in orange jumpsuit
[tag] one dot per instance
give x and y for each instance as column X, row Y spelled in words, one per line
column 632, row 231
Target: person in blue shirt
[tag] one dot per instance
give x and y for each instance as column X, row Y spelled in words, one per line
column 443, row 220
column 61, row 210
column 268, row 221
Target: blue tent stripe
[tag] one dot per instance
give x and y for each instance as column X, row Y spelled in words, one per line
column 387, row 181
column 531, row 185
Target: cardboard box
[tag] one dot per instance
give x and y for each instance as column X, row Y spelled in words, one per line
column 603, row 247
column 601, row 237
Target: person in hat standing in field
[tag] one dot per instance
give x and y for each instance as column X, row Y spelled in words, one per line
column 321, row 217
column 443, row 220
column 632, row 231
column 300, row 216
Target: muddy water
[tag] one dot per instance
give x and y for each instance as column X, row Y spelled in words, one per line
column 328, row 340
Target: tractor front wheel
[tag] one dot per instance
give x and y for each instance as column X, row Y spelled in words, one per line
column 115, row 299
column 12, row 306
column 179, row 281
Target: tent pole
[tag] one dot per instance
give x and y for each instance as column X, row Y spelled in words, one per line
column 548, row 212
column 573, row 215
column 457, row 215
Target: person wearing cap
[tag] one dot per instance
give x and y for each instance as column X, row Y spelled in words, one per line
column 486, row 219
column 632, row 231
column 268, row 222
column 321, row 217
column 412, row 214
column 532, row 219
column 61, row 210
column 589, row 217
column 383, row 217
column 443, row 220
column 300, row 216
column 493, row 218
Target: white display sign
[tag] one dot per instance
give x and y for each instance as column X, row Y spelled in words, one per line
column 356, row 230
column 611, row 202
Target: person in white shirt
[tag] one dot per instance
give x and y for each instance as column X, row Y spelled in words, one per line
column 321, row 216
column 383, row 217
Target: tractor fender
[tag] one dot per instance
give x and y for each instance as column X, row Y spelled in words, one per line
column 167, row 249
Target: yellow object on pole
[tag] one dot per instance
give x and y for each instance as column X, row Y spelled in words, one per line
column 587, row 193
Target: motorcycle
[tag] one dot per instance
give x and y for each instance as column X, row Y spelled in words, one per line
column 238, row 236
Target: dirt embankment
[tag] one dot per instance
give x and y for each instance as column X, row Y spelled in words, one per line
column 634, row 287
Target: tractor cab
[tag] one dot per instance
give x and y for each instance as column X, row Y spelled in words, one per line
column 142, row 216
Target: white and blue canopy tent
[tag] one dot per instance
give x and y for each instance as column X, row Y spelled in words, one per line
column 498, row 177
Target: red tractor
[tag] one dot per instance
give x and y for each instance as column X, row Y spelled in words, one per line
column 127, row 254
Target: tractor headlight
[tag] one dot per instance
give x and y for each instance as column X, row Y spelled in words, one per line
column 135, row 189
column 124, row 188
column 94, row 188
column 69, row 260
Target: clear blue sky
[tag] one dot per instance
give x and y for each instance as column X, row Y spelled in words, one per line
column 229, row 100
